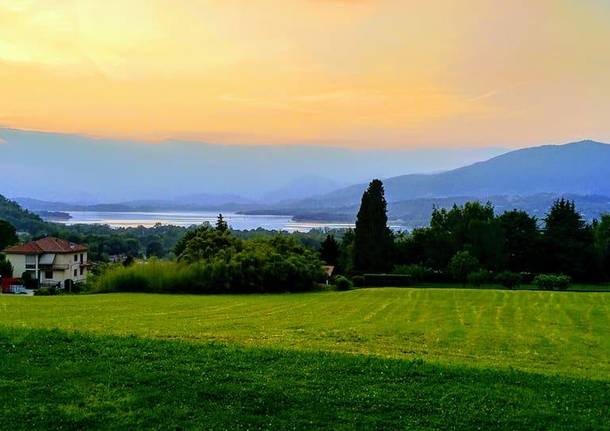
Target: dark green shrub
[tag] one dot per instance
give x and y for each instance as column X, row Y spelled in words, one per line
column 342, row 283
column 358, row 280
column 462, row 264
column 45, row 291
column 418, row 273
column 508, row 279
column 28, row 280
column 552, row 282
column 387, row 280
column 527, row 277
column 79, row 287
column 480, row 277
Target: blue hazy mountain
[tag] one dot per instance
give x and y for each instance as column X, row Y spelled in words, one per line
column 79, row 169
column 579, row 168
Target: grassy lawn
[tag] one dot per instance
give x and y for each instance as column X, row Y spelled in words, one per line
column 51, row 379
column 601, row 287
column 564, row 333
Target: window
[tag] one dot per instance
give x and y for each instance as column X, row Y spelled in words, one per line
column 82, row 270
column 30, row 261
column 76, row 258
column 81, row 258
column 48, row 274
column 75, row 273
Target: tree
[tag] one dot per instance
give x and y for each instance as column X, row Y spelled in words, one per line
column 221, row 224
column 473, row 227
column 6, row 269
column 155, row 249
column 462, row 264
column 373, row 240
column 346, row 253
column 8, row 235
column 205, row 242
column 568, row 243
column 521, row 240
column 329, row 250
column 601, row 234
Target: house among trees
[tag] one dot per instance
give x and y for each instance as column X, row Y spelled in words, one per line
column 49, row 261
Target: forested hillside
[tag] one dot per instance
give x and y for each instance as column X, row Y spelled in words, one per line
column 23, row 220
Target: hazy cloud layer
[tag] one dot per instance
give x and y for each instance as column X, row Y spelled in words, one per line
column 73, row 168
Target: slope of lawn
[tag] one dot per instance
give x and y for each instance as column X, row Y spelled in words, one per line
column 565, row 333
column 51, row 379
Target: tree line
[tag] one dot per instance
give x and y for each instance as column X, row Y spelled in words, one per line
column 473, row 238
column 214, row 260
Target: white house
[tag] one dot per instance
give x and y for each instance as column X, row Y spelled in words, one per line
column 51, row 261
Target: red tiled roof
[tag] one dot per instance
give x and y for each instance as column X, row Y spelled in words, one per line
column 46, row 245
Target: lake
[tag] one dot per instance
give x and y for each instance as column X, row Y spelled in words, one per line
column 181, row 218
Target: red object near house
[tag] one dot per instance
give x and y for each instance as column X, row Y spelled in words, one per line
column 7, row 282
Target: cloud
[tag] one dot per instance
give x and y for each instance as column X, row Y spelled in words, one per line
column 484, row 96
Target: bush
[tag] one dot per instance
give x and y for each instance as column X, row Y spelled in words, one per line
column 480, row 277
column 527, row 277
column 462, row 264
column 28, row 281
column 342, row 283
column 552, row 282
column 45, row 291
column 509, row 279
column 418, row 273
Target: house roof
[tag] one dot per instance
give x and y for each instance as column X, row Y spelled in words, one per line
column 46, row 245
column 328, row 270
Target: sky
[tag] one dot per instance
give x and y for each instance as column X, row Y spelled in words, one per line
column 354, row 73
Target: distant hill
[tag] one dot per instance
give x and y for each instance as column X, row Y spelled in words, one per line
column 23, row 220
column 417, row 212
column 579, row 168
column 198, row 202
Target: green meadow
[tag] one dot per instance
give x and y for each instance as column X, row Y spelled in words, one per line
column 370, row 358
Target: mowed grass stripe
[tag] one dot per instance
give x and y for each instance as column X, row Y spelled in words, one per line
column 60, row 380
column 550, row 332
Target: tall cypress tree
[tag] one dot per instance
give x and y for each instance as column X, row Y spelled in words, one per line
column 373, row 240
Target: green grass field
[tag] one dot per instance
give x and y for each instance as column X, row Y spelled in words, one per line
column 371, row 358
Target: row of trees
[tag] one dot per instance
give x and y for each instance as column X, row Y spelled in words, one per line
column 510, row 242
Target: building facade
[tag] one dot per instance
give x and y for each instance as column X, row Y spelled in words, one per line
column 51, row 261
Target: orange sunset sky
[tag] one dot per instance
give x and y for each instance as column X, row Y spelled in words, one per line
column 359, row 73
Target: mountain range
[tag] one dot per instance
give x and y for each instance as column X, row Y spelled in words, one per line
column 577, row 168
column 528, row 179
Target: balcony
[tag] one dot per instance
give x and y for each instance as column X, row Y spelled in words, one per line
column 54, row 267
